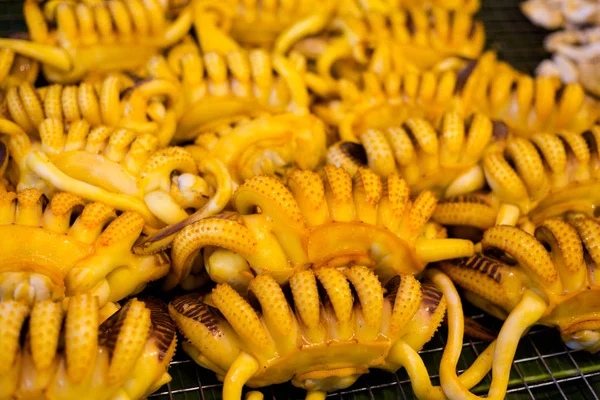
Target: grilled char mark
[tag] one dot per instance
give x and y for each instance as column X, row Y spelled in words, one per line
column 162, row 330
column 391, row 287
column 499, row 130
column 480, row 263
column 410, row 24
column 466, row 198
column 3, row 155
column 108, row 332
column 355, row 151
column 161, row 258
column 463, row 76
column 432, row 297
column 190, row 306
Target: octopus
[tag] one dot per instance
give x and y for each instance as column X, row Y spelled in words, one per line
column 118, row 167
column 15, row 69
column 69, row 354
column 54, row 250
column 547, row 276
column 544, row 176
column 371, row 41
column 72, row 39
column 445, row 161
column 258, row 24
column 269, row 144
column 151, row 106
column 221, row 81
column 326, row 220
column 486, row 86
column 322, row 337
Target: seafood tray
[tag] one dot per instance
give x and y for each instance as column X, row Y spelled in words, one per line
column 543, row 368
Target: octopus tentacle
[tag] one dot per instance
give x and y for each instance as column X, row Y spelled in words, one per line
column 162, row 238
column 543, row 176
column 247, row 347
column 65, row 35
column 269, row 144
column 561, row 277
column 444, row 160
column 110, row 104
column 400, row 31
column 324, row 221
column 95, row 361
column 91, row 254
column 222, row 85
column 119, row 167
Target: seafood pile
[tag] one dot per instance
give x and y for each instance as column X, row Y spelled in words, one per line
column 299, row 190
column 574, row 44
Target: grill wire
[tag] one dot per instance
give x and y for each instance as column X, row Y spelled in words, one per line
column 543, row 368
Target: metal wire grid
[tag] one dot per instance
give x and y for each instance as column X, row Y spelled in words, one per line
column 11, row 17
column 509, row 32
column 543, row 367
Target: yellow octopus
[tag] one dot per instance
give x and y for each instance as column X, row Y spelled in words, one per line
column 72, row 39
column 151, row 106
column 118, row 167
column 58, row 249
column 548, row 276
column 525, row 104
column 320, row 339
column 543, row 176
column 445, row 160
column 406, row 37
column 15, row 69
column 319, row 220
column 530, row 105
column 221, row 81
column 70, row 355
column 265, row 145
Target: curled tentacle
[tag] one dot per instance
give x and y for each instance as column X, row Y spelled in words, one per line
column 227, row 335
column 119, row 167
column 126, row 356
column 543, row 176
column 390, row 98
column 72, row 40
column 268, row 145
column 222, row 85
column 64, row 247
column 529, row 105
column 15, row 70
column 259, row 25
column 325, row 221
column 413, row 38
column 115, row 101
column 444, row 160
column 556, row 262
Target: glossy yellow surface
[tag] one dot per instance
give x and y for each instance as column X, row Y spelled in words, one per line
column 55, row 250
column 124, row 357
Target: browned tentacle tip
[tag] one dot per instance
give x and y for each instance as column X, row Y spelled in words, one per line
column 355, row 151
column 159, row 240
column 475, row 330
column 463, row 76
column 162, row 239
column 3, row 155
column 499, row 130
